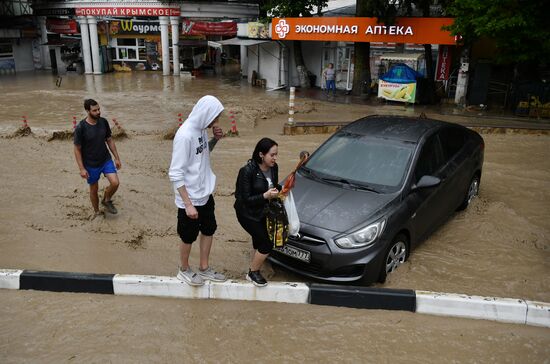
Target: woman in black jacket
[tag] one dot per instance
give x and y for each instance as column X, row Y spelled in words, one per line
column 257, row 183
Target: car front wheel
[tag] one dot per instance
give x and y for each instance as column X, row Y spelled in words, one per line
column 472, row 192
column 394, row 257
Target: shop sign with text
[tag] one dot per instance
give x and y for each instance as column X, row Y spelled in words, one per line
column 189, row 27
column 444, row 59
column 132, row 27
column 54, row 12
column 127, row 11
column 61, row 26
column 405, row 30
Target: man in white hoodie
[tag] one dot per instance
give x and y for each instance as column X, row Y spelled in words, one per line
column 194, row 183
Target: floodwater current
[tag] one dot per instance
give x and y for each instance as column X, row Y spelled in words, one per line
column 499, row 246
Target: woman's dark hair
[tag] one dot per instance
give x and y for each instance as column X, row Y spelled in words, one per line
column 263, row 146
column 88, row 103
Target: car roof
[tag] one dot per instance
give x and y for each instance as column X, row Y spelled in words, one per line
column 402, row 128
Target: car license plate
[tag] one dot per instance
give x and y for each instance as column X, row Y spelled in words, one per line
column 295, row 253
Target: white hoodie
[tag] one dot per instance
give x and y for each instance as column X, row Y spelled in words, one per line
column 190, row 166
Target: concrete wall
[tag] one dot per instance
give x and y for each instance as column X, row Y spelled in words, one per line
column 252, row 56
column 313, row 58
column 272, row 65
column 244, row 61
column 22, row 52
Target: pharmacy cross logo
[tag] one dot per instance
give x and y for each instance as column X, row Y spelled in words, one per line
column 282, row 28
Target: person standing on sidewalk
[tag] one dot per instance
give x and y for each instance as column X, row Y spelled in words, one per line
column 194, row 182
column 92, row 136
column 330, row 76
column 257, row 183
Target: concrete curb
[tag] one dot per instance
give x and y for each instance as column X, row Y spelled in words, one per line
column 488, row 308
column 363, row 297
column 329, row 127
column 508, row 310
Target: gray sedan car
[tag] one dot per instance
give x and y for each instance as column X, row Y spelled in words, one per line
column 374, row 190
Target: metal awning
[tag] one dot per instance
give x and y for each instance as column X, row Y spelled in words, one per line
column 401, row 56
column 243, row 41
column 214, row 44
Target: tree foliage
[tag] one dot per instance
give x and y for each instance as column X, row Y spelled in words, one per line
column 293, row 8
column 518, row 27
column 386, row 12
column 424, row 7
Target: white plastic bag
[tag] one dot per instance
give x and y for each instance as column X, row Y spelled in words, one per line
column 292, row 214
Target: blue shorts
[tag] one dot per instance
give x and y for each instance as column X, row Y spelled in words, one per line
column 95, row 173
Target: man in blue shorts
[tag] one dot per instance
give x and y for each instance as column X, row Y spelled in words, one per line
column 91, row 138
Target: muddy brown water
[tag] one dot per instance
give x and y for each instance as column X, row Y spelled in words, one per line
column 499, row 247
column 45, row 327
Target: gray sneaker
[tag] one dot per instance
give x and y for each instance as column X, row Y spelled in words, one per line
column 212, row 275
column 190, row 277
column 109, row 207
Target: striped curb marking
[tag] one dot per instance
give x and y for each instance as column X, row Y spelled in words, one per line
column 509, row 310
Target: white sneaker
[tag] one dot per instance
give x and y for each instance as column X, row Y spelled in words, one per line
column 212, row 275
column 190, row 277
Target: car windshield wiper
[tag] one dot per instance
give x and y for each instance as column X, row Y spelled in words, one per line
column 352, row 185
column 309, row 172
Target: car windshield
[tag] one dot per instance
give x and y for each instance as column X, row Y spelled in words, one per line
column 349, row 158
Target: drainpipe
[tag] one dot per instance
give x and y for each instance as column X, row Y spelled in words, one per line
column 280, row 63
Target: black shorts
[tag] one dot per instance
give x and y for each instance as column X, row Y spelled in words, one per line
column 188, row 229
column 258, row 231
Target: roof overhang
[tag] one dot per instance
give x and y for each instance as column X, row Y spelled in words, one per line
column 243, row 41
column 401, row 56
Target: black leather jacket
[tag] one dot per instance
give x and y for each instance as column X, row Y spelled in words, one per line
column 250, row 187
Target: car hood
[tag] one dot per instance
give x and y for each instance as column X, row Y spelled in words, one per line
column 329, row 206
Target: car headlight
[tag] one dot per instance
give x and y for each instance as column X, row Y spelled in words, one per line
column 361, row 238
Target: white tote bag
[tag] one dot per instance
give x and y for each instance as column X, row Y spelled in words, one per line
column 292, row 214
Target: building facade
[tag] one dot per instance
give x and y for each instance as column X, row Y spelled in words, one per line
column 94, row 37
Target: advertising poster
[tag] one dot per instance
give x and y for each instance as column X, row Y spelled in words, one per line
column 62, row 26
column 401, row 92
column 257, row 30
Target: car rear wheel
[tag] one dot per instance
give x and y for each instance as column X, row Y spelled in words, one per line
column 395, row 256
column 472, row 192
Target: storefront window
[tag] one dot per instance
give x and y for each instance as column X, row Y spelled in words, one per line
column 6, row 50
column 130, row 49
column 7, row 62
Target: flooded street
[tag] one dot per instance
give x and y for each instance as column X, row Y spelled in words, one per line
column 144, row 102
column 500, row 246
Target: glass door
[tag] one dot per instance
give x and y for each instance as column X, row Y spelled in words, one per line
column 344, row 66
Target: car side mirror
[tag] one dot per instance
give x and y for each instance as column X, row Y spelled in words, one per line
column 304, row 154
column 426, row 181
